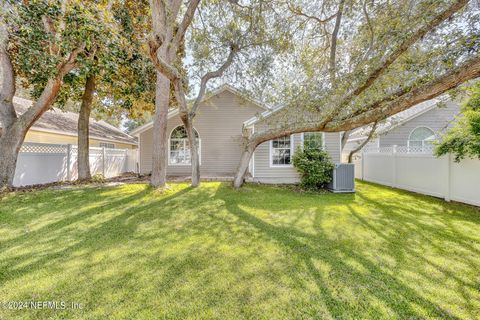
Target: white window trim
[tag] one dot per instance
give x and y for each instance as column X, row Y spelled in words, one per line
column 422, row 141
column 185, row 139
column 323, row 141
column 270, row 148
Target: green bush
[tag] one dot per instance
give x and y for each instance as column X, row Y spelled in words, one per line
column 315, row 167
column 98, row 178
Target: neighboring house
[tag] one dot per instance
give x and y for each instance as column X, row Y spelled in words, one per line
column 58, row 127
column 416, row 128
column 219, row 123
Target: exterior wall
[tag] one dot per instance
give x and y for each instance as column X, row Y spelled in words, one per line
column 54, row 138
column 437, row 119
column 219, row 124
column 263, row 172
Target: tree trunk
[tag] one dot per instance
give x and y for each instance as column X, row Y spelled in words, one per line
column 159, row 157
column 345, row 137
column 83, row 161
column 369, row 137
column 194, row 155
column 10, row 142
column 243, row 166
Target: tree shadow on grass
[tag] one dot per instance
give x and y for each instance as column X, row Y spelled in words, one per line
column 117, row 228
column 376, row 284
column 131, row 232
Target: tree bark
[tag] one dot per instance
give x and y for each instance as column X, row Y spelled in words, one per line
column 333, row 47
column 159, row 152
column 194, row 152
column 10, row 143
column 83, row 161
column 370, row 136
column 243, row 166
column 345, row 137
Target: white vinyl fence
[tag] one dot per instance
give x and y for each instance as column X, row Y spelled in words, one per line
column 422, row 172
column 43, row 163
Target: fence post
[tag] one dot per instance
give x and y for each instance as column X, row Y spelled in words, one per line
column 394, row 155
column 103, row 161
column 449, row 177
column 69, row 161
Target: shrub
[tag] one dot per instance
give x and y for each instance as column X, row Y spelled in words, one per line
column 98, row 178
column 315, row 167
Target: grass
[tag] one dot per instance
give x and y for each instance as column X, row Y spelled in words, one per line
column 263, row 252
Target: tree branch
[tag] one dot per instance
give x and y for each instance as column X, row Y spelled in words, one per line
column 160, row 65
column 299, row 12
column 51, row 90
column 345, row 137
column 214, row 74
column 333, row 46
column 187, row 20
column 470, row 69
column 390, row 59
column 452, row 79
column 367, row 140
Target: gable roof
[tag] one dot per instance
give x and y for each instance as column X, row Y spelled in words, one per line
column 65, row 123
column 224, row 88
column 396, row 120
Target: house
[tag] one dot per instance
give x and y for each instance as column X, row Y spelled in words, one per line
column 58, row 127
column 219, row 123
column 416, row 129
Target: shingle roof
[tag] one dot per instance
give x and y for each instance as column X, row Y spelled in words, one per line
column 56, row 120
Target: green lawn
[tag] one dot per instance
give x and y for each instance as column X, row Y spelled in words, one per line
column 263, row 252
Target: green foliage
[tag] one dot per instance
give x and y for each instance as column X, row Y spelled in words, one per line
column 44, row 33
column 98, row 178
column 463, row 139
column 315, row 167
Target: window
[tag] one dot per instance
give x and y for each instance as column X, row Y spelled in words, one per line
column 179, row 149
column 313, row 140
column 281, row 151
column 107, row 145
column 420, row 138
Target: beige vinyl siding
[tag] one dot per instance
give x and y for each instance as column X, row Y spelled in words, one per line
column 333, row 145
column 264, row 172
column 219, row 123
column 56, row 138
column 437, row 119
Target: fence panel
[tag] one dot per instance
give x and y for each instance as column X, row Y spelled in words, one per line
column 41, row 163
column 379, row 167
column 420, row 171
column 465, row 181
column 44, row 163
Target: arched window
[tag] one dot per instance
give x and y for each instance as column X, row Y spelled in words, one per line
column 421, row 138
column 179, row 149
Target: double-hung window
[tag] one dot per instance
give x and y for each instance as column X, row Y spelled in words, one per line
column 313, row 140
column 281, row 151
